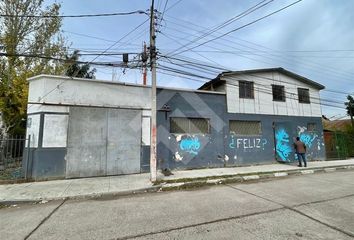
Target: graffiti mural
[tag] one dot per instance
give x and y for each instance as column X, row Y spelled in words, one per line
column 190, row 145
column 306, row 137
column 247, row 143
column 311, row 140
column 283, row 147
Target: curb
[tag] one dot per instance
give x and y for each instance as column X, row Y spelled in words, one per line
column 184, row 184
column 92, row 196
column 176, row 184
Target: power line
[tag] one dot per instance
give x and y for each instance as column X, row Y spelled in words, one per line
column 115, row 43
column 269, row 57
column 243, row 26
column 173, row 5
column 226, row 23
column 74, row 16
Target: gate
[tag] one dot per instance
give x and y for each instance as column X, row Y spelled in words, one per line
column 103, row 142
column 11, row 156
column 283, row 139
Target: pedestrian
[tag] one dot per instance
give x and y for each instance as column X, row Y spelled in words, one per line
column 300, row 149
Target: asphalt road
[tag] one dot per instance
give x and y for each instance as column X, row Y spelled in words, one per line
column 315, row 206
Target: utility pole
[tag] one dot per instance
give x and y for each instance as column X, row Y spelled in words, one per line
column 153, row 135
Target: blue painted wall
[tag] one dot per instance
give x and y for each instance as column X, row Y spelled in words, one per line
column 186, row 151
column 221, row 148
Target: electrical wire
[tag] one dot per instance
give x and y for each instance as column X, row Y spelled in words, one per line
column 312, row 68
column 226, row 23
column 74, row 16
column 241, row 27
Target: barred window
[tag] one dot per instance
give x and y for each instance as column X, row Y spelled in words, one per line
column 189, row 125
column 246, row 89
column 304, row 95
column 245, row 127
column 311, row 127
column 278, row 93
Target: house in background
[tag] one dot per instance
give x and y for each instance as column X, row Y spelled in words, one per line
column 85, row 127
column 339, row 144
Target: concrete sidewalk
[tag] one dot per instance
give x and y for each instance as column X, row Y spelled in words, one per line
column 138, row 183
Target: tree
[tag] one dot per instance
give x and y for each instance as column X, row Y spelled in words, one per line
column 75, row 69
column 26, row 35
column 350, row 108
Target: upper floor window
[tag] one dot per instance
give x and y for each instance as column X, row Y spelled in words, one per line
column 246, row 89
column 189, row 125
column 278, row 93
column 304, row 95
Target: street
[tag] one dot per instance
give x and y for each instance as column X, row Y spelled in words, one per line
column 313, row 206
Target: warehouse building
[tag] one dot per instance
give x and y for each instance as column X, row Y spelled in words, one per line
column 84, row 127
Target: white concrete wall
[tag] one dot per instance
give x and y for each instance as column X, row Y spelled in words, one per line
column 263, row 99
column 87, row 92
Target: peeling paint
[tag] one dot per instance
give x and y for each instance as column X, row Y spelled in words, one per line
column 178, row 157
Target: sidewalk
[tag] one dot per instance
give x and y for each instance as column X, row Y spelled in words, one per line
column 138, row 183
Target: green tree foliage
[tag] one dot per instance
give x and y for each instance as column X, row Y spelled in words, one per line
column 75, row 69
column 350, row 105
column 26, row 35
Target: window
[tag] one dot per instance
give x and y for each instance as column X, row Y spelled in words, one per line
column 245, row 127
column 311, row 127
column 189, row 125
column 304, row 95
column 246, row 89
column 278, row 93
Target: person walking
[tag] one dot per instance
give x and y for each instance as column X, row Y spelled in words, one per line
column 300, row 149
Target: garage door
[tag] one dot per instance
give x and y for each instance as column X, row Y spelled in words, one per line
column 103, row 142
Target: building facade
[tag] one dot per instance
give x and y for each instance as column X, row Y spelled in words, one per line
column 88, row 128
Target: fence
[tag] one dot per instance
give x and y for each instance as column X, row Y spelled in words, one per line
column 339, row 145
column 12, row 151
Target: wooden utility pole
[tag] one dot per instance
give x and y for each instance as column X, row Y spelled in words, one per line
column 153, row 135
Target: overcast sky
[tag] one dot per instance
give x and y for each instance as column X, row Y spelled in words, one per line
column 314, row 38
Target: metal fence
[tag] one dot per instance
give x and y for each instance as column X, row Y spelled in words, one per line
column 339, row 145
column 12, row 151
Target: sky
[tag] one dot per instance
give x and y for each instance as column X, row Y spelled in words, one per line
column 313, row 38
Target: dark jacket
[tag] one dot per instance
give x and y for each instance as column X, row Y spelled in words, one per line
column 300, row 147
